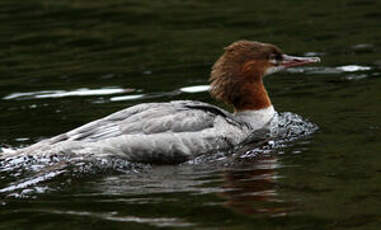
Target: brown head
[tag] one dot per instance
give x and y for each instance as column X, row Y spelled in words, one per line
column 236, row 77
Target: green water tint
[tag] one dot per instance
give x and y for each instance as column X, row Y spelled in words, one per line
column 331, row 180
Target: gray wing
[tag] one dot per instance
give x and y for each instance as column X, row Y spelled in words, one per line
column 149, row 118
column 159, row 132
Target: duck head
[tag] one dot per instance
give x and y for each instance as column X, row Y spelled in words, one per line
column 237, row 76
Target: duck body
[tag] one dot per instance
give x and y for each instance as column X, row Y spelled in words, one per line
column 158, row 132
column 179, row 130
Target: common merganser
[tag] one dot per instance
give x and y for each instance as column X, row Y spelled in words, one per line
column 179, row 130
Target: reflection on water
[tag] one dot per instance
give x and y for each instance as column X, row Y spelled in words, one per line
column 254, row 190
column 195, row 89
column 101, row 92
column 329, row 70
column 145, row 96
column 353, row 68
column 127, row 97
column 64, row 93
column 113, row 216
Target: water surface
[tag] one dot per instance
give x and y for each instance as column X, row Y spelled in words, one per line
column 65, row 63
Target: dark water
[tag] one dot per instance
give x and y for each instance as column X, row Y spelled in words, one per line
column 129, row 52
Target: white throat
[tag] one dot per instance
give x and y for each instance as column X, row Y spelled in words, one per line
column 257, row 119
column 273, row 69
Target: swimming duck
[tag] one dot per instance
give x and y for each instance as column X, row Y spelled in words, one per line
column 179, row 130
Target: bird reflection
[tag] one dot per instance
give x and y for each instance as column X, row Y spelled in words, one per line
column 254, row 190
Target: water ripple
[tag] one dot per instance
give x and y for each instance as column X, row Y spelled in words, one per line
column 186, row 89
column 113, row 216
column 64, row 93
column 195, row 89
column 330, row 70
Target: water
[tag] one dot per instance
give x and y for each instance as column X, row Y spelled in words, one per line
column 65, row 63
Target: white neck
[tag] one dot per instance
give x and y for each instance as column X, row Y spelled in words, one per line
column 257, row 119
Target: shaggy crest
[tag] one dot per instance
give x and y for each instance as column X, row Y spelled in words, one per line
column 236, row 77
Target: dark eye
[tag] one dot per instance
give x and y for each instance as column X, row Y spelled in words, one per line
column 275, row 57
